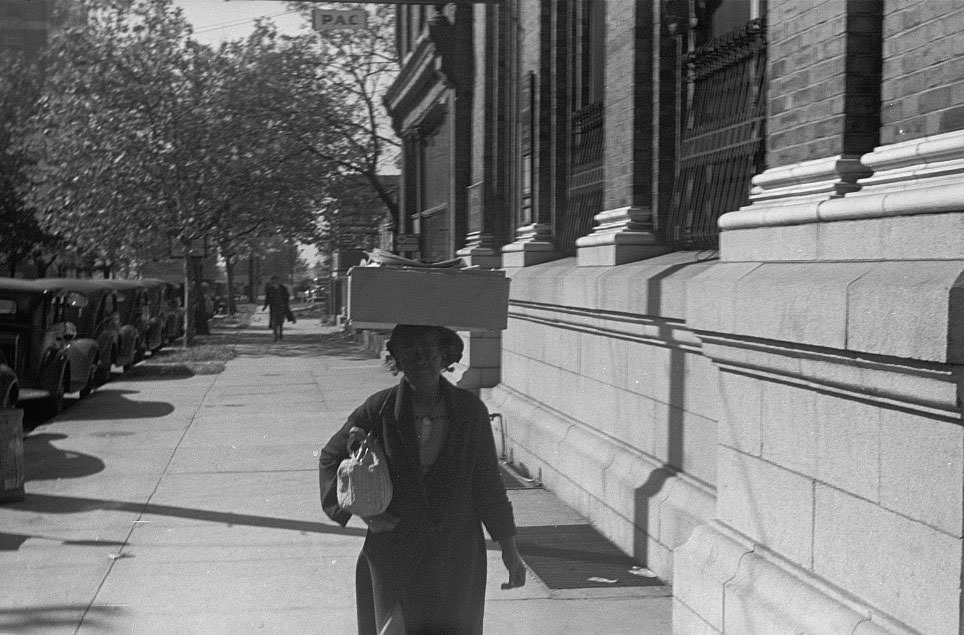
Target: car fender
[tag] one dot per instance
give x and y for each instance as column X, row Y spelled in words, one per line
column 127, row 344
column 82, row 355
column 107, row 342
column 155, row 334
column 52, row 368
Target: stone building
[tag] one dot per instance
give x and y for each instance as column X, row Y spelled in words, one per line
column 733, row 230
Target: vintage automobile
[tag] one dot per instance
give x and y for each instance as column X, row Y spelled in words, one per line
column 172, row 311
column 161, row 322
column 41, row 344
column 99, row 319
column 133, row 311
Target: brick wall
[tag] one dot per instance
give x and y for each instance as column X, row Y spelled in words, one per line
column 628, row 104
column 823, row 79
column 923, row 75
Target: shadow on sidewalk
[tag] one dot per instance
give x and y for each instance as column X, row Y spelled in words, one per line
column 112, row 403
column 45, row 461
column 258, row 343
column 55, row 618
column 53, row 504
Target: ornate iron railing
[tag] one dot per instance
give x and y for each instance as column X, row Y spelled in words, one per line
column 585, row 192
column 722, row 140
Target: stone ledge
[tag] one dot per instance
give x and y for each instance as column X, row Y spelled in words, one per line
column 738, row 588
column 652, row 287
column 923, row 389
column 910, row 310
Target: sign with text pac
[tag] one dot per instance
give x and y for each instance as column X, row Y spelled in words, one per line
column 331, row 19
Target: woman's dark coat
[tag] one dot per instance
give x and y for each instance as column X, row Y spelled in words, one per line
column 276, row 300
column 434, row 561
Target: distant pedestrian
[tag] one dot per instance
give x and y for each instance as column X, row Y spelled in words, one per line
column 202, row 309
column 276, row 300
column 422, row 568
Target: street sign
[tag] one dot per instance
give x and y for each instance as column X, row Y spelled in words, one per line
column 331, row 19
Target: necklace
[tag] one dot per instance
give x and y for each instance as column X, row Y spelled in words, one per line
column 425, row 419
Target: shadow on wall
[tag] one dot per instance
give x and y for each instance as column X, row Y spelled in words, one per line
column 675, row 441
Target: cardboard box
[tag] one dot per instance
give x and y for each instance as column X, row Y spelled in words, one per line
column 461, row 299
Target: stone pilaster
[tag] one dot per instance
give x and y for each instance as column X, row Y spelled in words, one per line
column 533, row 245
column 620, row 236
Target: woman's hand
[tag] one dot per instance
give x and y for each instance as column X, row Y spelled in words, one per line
column 513, row 563
column 381, row 523
column 355, row 436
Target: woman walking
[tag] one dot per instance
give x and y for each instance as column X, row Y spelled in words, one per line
column 276, row 300
column 422, row 568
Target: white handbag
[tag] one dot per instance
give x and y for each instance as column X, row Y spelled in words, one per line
column 364, row 483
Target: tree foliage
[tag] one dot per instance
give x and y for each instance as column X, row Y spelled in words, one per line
column 359, row 66
column 21, row 236
column 142, row 132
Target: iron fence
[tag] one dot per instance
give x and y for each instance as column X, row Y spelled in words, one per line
column 585, row 191
column 722, row 137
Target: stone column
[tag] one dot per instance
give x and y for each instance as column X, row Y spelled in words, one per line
column 485, row 210
column 532, row 242
column 624, row 230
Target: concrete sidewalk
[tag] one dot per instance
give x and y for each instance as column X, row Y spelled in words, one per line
column 179, row 503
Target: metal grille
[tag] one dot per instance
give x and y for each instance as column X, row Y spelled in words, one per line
column 586, row 176
column 722, row 142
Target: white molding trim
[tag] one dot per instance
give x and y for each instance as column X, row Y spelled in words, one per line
column 921, row 176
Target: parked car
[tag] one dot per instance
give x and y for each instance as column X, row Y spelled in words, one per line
column 161, row 329
column 134, row 309
column 99, row 319
column 172, row 311
column 41, row 344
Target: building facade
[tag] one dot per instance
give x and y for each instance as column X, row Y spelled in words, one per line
column 735, row 333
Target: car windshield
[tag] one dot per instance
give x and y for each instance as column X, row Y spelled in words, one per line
column 74, row 304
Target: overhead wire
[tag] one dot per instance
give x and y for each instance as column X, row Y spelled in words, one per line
column 241, row 22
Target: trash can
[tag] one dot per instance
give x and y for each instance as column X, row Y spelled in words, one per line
column 11, row 455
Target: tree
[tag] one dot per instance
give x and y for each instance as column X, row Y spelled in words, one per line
column 359, row 67
column 143, row 133
column 21, row 236
column 115, row 133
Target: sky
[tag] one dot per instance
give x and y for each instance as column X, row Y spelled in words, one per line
column 217, row 20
